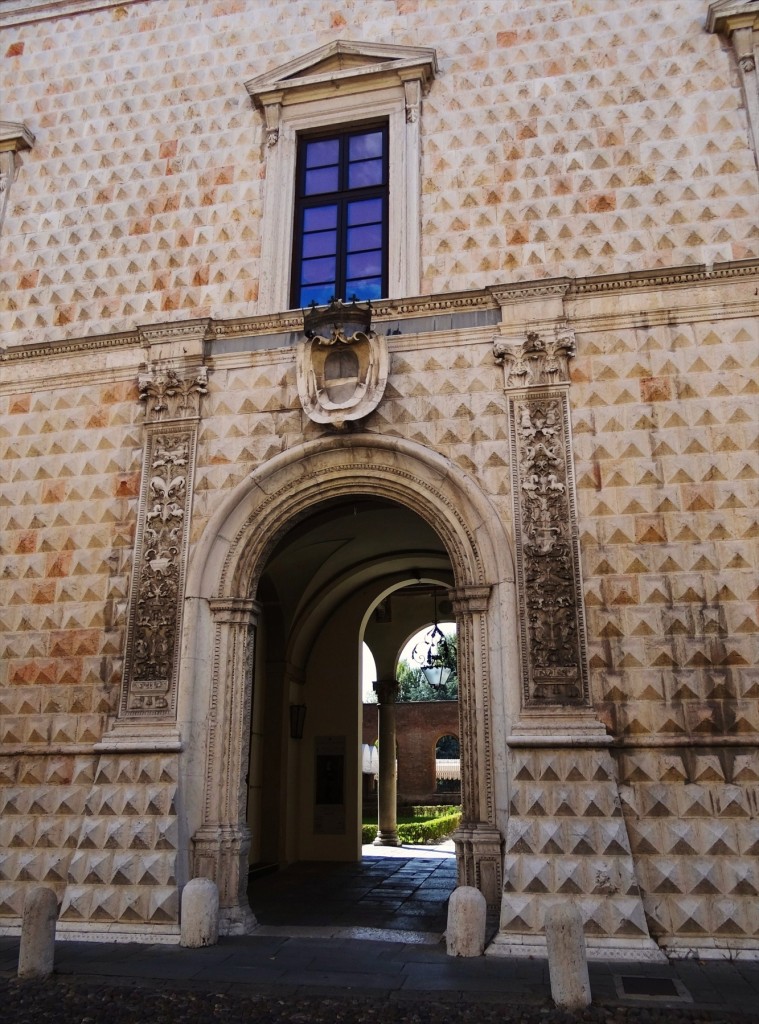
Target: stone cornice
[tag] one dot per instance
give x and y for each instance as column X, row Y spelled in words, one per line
column 14, row 136
column 24, row 12
column 728, row 15
column 669, row 278
column 673, row 279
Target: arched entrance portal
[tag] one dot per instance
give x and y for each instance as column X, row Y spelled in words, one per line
column 226, row 591
column 346, row 572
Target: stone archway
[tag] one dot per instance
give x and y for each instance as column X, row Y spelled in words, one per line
column 215, row 691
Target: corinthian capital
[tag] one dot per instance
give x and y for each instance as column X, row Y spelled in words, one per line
column 538, row 360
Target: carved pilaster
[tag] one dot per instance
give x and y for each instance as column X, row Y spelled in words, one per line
column 478, row 841
column 172, row 398
column 222, row 843
column 552, row 628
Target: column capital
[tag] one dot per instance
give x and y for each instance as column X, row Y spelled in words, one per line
column 239, row 611
column 468, row 600
column 386, row 690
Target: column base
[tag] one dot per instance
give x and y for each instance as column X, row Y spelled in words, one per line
column 387, row 837
column 239, row 920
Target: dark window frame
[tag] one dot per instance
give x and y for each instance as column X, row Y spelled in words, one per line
column 341, row 197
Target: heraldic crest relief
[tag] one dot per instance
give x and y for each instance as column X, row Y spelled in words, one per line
column 342, row 365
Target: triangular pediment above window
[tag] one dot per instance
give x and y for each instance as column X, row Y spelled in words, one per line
column 343, row 63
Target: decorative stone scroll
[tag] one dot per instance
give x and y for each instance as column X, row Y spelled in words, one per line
column 552, row 634
column 151, row 665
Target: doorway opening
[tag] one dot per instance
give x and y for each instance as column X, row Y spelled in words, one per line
column 353, row 570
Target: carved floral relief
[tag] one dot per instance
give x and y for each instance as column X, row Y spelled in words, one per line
column 172, row 408
column 536, row 373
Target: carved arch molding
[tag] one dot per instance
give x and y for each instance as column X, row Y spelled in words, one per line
column 224, row 574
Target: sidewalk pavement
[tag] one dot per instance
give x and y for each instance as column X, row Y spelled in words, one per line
column 296, row 967
column 356, row 931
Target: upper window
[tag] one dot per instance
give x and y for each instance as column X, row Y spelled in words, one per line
column 342, row 189
column 340, row 238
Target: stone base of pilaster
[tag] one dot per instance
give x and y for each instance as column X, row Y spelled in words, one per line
column 220, row 852
column 479, row 857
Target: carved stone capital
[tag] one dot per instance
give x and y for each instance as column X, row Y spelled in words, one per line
column 386, row 690
column 538, row 360
column 468, row 600
column 235, row 611
column 171, row 394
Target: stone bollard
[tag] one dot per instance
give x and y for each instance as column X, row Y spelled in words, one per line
column 465, row 932
column 37, row 950
column 200, row 914
column 567, row 960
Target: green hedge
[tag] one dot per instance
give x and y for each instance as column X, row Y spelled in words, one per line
column 418, row 832
column 431, row 810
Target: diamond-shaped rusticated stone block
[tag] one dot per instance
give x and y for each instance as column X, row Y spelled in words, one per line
column 136, row 769
column 124, row 904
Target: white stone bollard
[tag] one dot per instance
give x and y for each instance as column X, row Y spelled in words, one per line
column 200, row 914
column 465, row 932
column 37, row 950
column 567, row 959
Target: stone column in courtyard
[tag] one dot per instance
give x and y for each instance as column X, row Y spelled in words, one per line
column 387, row 832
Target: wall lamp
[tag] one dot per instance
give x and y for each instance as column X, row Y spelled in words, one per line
column 297, row 721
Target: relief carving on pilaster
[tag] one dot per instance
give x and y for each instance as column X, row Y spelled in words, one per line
column 552, row 634
column 151, row 664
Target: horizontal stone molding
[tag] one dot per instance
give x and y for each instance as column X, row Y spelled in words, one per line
column 679, row 281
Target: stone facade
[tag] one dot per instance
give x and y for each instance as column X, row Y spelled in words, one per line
column 570, row 403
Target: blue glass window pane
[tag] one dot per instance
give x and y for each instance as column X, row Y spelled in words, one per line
column 321, row 294
column 318, row 271
column 323, row 179
column 364, row 173
column 360, row 147
column 364, row 288
column 319, row 154
column 364, row 264
column 319, row 218
column 368, row 237
column 365, row 211
column 320, row 243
